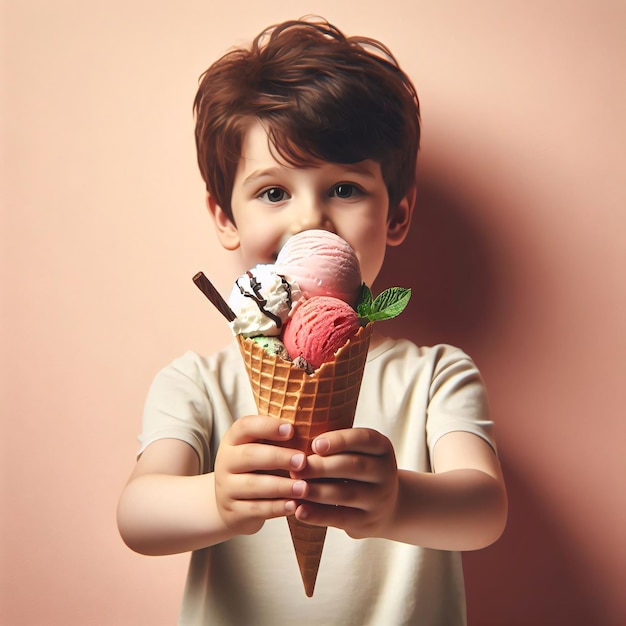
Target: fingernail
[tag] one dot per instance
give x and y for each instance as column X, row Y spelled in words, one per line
column 321, row 445
column 299, row 488
column 290, row 506
column 297, row 460
column 284, row 430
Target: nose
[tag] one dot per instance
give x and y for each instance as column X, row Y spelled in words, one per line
column 311, row 215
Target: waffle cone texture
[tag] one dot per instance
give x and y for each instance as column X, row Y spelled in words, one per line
column 314, row 403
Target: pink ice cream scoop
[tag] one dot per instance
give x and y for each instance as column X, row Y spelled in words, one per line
column 322, row 264
column 318, row 327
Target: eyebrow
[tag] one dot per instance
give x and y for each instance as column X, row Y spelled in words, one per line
column 262, row 173
column 359, row 169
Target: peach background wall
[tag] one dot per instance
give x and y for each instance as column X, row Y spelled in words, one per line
column 516, row 254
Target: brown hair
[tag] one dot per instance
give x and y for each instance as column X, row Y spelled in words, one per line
column 322, row 96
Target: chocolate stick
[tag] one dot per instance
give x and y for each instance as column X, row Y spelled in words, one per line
column 207, row 288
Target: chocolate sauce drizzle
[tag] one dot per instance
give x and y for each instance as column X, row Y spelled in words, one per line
column 260, row 300
column 287, row 287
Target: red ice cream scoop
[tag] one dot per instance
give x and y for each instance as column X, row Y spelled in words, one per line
column 318, row 327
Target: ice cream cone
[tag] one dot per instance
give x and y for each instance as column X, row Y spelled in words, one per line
column 313, row 403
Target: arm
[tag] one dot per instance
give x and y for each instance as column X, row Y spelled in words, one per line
column 168, row 507
column 460, row 506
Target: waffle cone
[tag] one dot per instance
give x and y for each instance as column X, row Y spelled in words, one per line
column 314, row 404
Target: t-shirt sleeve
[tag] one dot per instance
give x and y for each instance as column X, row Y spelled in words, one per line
column 458, row 399
column 178, row 407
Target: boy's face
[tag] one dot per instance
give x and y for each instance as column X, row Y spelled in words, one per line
column 272, row 200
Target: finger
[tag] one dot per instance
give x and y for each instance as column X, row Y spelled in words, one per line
column 356, row 467
column 258, row 427
column 365, row 440
column 335, row 516
column 247, row 516
column 253, row 457
column 347, row 493
column 265, row 487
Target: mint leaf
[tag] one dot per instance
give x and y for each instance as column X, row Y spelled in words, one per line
column 364, row 301
column 390, row 303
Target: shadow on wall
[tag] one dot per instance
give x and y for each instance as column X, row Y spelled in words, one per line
column 449, row 264
column 531, row 576
column 458, row 274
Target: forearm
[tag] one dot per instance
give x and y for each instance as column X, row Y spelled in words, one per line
column 462, row 509
column 167, row 514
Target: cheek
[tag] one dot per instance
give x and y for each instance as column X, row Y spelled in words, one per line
column 259, row 243
column 371, row 254
column 371, row 265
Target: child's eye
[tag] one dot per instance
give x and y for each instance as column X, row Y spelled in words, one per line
column 274, row 194
column 345, row 190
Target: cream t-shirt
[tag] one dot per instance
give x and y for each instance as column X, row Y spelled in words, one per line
column 412, row 395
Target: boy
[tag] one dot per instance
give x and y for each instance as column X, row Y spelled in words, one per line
column 310, row 129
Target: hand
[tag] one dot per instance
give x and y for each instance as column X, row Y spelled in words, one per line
column 353, row 482
column 249, row 484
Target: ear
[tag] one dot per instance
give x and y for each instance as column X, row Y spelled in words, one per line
column 224, row 226
column 398, row 225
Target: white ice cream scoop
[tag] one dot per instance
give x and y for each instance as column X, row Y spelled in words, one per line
column 261, row 299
